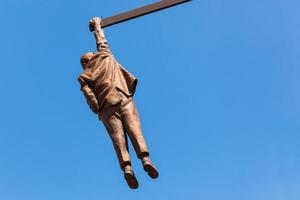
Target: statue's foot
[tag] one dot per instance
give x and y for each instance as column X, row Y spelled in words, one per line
column 150, row 168
column 130, row 177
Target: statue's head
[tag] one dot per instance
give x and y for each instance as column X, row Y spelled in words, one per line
column 85, row 58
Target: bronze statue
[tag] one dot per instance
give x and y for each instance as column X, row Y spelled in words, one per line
column 108, row 89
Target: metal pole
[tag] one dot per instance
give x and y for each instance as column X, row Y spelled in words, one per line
column 140, row 12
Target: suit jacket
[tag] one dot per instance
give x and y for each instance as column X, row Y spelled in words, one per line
column 105, row 77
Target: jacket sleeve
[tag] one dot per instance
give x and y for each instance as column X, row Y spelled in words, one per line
column 89, row 95
column 101, row 41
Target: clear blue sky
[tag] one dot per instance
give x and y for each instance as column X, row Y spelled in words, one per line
column 218, row 97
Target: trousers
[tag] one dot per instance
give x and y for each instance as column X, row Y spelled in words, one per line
column 121, row 120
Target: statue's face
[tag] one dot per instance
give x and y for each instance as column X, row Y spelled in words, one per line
column 84, row 60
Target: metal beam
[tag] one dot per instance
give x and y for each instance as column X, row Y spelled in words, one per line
column 140, row 12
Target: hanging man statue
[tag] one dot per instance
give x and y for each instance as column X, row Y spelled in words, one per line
column 109, row 89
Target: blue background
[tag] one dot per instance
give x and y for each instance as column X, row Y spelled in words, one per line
column 218, row 97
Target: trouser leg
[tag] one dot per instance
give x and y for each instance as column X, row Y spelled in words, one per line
column 132, row 126
column 114, row 127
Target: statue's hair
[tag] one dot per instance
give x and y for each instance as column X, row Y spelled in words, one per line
column 85, row 58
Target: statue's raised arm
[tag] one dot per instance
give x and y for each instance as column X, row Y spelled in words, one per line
column 95, row 26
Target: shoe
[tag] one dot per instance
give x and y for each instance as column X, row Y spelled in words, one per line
column 130, row 177
column 149, row 168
